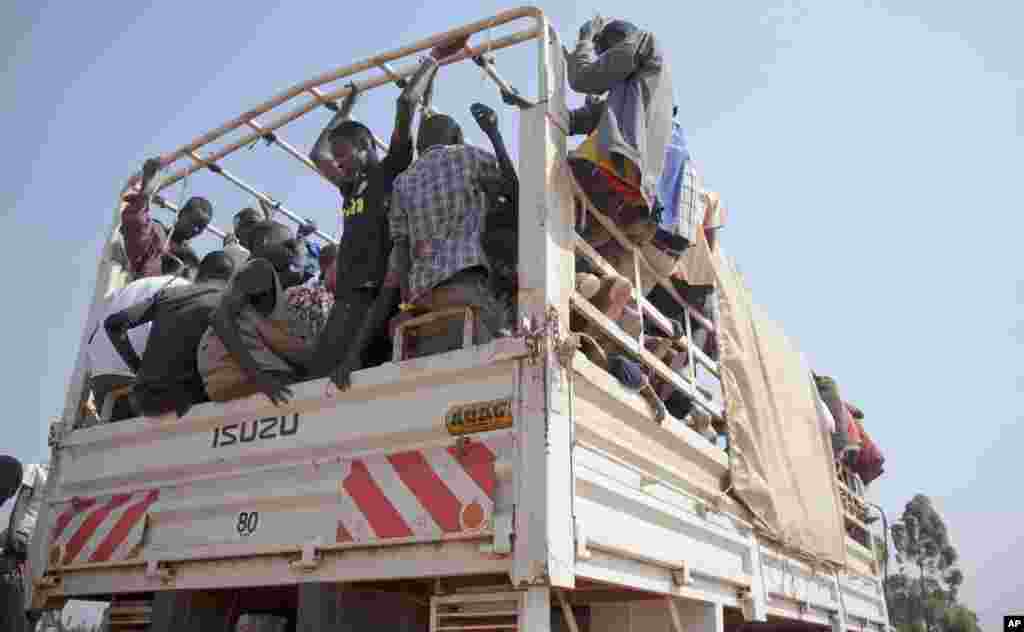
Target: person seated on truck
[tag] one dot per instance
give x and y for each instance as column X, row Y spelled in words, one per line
column 437, row 218
column 166, row 376
column 146, row 239
column 239, row 243
column 620, row 162
column 356, row 336
column 500, row 236
column 110, row 376
column 679, row 207
column 261, row 338
column 304, row 230
column 610, row 295
column 679, row 404
column 328, row 278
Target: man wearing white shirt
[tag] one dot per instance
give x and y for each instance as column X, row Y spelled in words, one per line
column 110, row 376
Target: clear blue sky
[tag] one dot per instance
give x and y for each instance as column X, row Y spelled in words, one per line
column 869, row 153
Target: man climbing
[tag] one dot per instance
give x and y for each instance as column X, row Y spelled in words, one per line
column 259, row 340
column 166, row 376
column 356, row 334
column 621, row 161
column 111, row 377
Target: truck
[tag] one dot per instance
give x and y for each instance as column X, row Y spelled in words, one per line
column 513, row 485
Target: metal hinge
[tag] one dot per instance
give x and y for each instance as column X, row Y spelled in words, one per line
column 746, row 599
column 158, row 570
column 47, row 581
column 310, row 559
column 681, row 575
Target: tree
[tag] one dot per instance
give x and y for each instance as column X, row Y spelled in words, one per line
column 922, row 541
column 960, row 619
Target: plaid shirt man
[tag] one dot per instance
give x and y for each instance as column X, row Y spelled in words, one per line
column 438, row 212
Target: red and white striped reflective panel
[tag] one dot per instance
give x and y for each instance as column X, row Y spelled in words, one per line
column 101, row 529
column 419, row 493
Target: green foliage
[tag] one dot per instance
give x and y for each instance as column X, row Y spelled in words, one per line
column 923, row 593
column 960, row 619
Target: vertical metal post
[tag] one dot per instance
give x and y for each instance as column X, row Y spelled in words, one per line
column 544, row 550
column 570, row 618
column 839, row 623
column 535, row 610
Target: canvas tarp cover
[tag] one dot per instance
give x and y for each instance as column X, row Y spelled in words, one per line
column 780, row 463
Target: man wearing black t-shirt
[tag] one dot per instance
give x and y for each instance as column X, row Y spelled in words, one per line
column 167, row 377
column 356, row 333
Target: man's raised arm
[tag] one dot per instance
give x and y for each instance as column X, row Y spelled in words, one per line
column 141, row 240
column 321, row 153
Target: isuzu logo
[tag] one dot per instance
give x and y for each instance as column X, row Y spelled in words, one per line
column 255, row 430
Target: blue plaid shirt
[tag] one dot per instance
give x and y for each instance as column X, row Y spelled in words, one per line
column 438, row 212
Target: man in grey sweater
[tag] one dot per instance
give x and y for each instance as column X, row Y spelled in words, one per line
column 620, row 164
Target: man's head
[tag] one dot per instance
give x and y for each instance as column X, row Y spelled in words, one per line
column 352, row 151
column 328, row 267
column 193, row 218
column 276, row 243
column 613, row 34
column 245, row 220
column 216, row 266
column 439, row 129
column 11, row 473
column 179, row 260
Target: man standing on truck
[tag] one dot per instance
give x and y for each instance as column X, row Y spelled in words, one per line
column 437, row 216
column 356, row 333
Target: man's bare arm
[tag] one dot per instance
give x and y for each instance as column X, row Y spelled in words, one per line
column 256, row 279
column 321, row 153
column 117, row 326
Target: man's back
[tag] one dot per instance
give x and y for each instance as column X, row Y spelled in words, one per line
column 180, row 317
column 440, row 209
column 103, row 358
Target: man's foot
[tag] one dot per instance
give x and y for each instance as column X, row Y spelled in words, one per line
column 658, row 409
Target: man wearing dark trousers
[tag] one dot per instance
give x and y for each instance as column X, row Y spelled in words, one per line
column 12, row 596
column 356, row 334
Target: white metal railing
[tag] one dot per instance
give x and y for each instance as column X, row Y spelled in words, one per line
column 317, row 92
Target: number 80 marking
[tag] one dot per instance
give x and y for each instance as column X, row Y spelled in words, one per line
column 247, row 522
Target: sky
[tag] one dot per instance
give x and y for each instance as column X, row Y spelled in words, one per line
column 869, row 153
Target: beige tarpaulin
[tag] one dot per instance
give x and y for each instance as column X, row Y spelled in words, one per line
column 781, row 465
